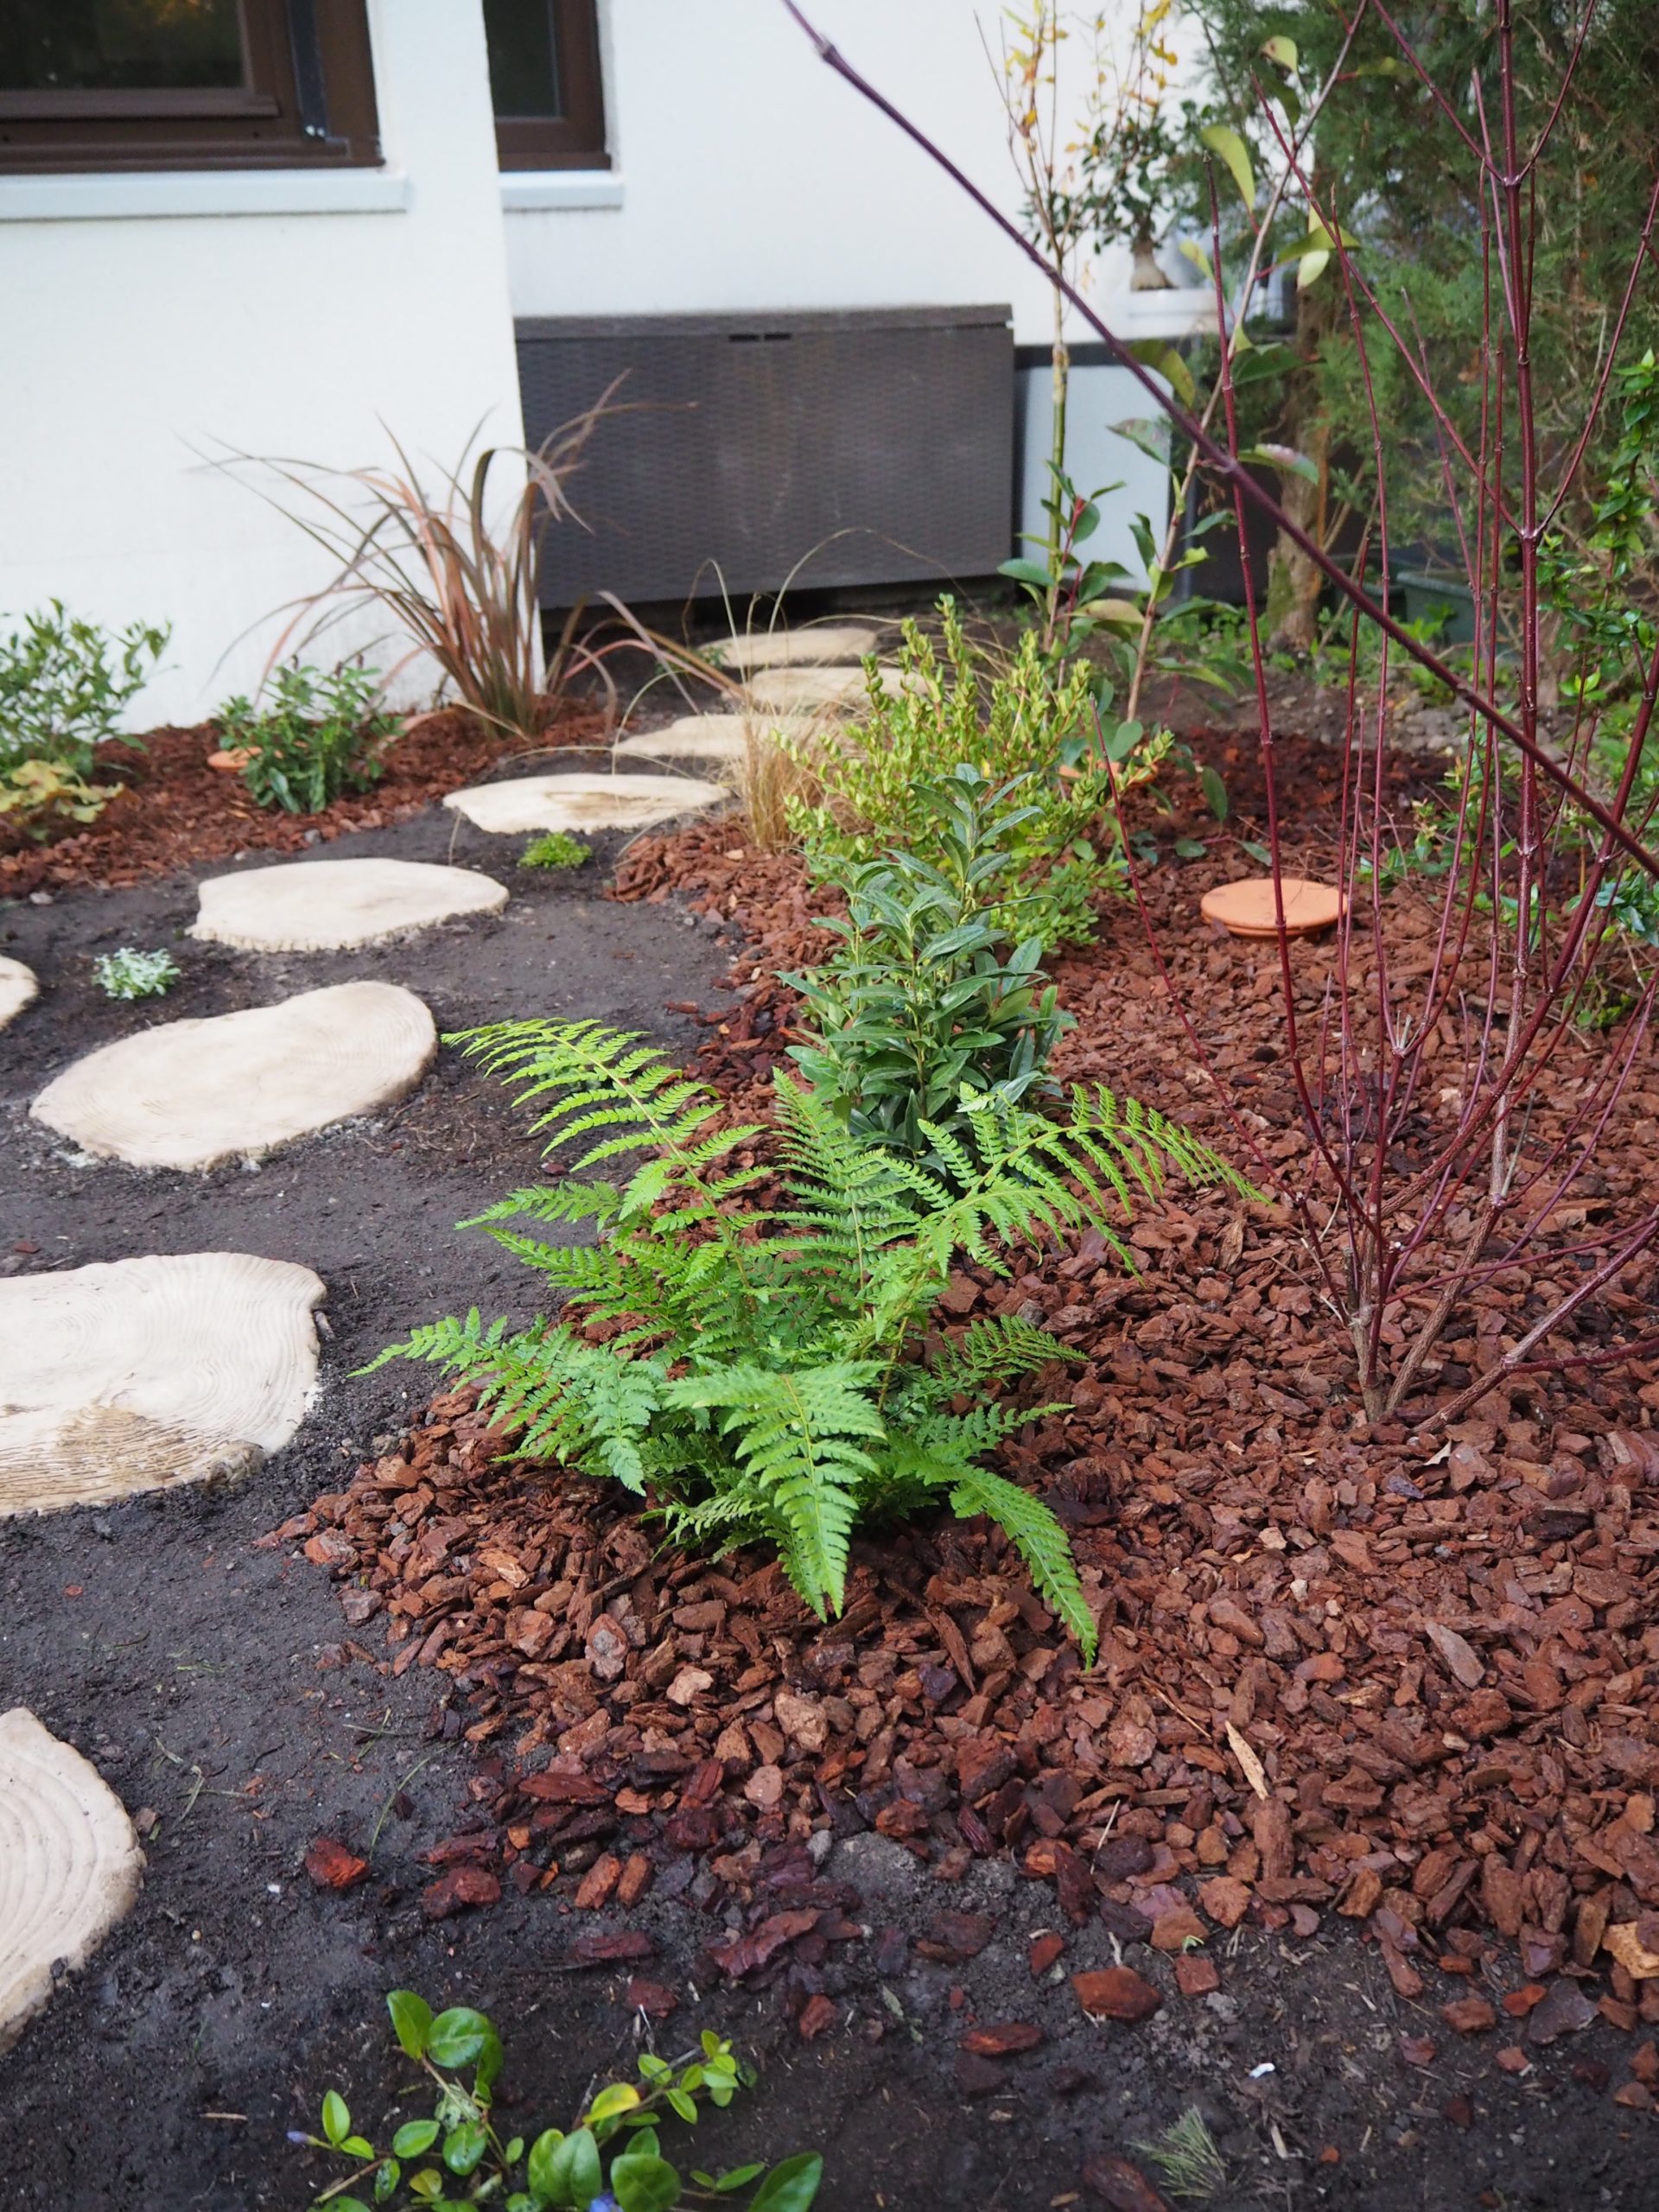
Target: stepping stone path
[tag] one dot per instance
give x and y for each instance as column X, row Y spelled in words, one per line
column 191, row 1094
column 582, row 802
column 17, row 987
column 831, row 641
column 143, row 1373
column 329, row 906
column 713, row 737
column 70, row 1865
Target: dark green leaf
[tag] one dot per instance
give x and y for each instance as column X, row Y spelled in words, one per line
column 336, row 2118
column 464, row 2146
column 643, row 2183
column 414, row 2137
column 458, row 2037
column 790, row 2187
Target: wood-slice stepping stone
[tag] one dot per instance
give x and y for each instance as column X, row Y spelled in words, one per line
column 1247, row 907
column 136, row 1374
column 831, row 641
column 583, row 802
column 719, row 738
column 190, row 1094
column 18, row 985
column 792, row 690
column 329, row 906
column 70, row 1865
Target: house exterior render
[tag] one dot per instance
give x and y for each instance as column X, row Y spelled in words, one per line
column 296, row 228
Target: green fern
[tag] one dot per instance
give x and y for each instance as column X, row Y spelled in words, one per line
column 766, row 1380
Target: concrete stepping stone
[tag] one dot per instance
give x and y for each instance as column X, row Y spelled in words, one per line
column 719, row 738
column 192, row 1093
column 136, row 1374
column 791, row 690
column 70, row 1864
column 582, row 802
column 330, row 905
column 829, row 641
column 18, row 985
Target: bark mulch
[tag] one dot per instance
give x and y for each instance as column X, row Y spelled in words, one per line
column 1409, row 1681
column 172, row 812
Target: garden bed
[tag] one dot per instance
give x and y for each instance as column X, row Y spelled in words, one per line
column 875, row 1852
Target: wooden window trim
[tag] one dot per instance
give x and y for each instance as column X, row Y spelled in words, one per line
column 576, row 139
column 309, row 103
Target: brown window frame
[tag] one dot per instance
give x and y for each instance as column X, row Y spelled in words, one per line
column 308, row 103
column 575, row 140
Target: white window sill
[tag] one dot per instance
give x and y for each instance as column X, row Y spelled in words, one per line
column 526, row 190
column 112, row 195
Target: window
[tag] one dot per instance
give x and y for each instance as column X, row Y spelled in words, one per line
column 185, row 84
column 544, row 82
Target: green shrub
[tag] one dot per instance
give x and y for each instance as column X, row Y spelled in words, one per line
column 129, row 974
column 924, row 1000
column 881, row 793
column 766, row 1381
column 64, row 683
column 316, row 739
column 557, row 849
column 561, row 2171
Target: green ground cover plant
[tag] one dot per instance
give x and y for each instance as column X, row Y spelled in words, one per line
column 317, row 735
column 925, row 998
column 611, row 2161
column 129, row 974
column 557, row 849
column 954, row 704
column 764, row 1376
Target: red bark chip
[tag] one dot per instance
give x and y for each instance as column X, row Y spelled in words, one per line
column 1225, row 1899
column 1121, row 2187
column 462, row 1886
column 1470, row 2015
column 331, row 1866
column 616, row 1948
column 598, row 1885
column 1195, row 1975
column 818, row 2014
column 1002, row 2040
column 1044, row 1951
column 1116, row 1994
column 654, row 1999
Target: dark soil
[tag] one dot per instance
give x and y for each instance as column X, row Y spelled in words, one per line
column 215, row 1684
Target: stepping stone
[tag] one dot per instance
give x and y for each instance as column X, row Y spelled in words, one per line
column 831, row 641
column 583, row 802
column 138, row 1374
column 17, row 987
column 70, row 1865
column 329, row 905
column 190, row 1094
column 791, row 690
column 712, row 737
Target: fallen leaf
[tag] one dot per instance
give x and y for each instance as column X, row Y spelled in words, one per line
column 1254, row 1773
column 1459, row 1656
column 817, row 2014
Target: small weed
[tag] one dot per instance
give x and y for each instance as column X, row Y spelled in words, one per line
column 558, row 850
column 1187, row 2157
column 131, row 974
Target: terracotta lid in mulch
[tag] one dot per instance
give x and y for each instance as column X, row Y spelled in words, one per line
column 1247, row 908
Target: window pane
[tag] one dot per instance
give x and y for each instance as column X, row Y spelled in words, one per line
column 53, row 46
column 523, row 47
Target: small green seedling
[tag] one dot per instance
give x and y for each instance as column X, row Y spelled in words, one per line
column 1188, row 2163
column 132, row 974
column 555, row 2171
column 556, row 849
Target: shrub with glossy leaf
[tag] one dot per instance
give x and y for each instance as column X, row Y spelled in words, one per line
column 64, row 684
column 317, row 736
column 555, row 2171
column 925, row 997
column 882, row 791
column 766, row 1380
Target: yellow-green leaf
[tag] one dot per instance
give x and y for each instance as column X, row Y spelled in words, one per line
column 1313, row 264
column 1281, row 50
column 1226, row 145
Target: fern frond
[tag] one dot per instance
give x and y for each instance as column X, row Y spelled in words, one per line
column 1032, row 1530
column 1001, row 1346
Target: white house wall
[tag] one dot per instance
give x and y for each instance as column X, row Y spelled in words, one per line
column 133, row 345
